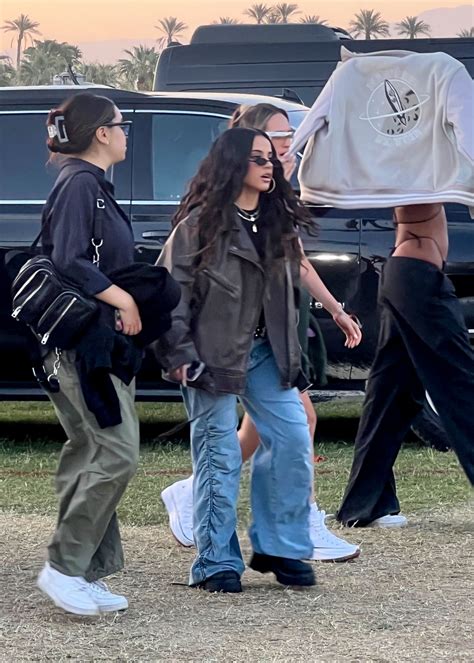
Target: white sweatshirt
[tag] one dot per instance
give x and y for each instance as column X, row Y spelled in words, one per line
column 390, row 128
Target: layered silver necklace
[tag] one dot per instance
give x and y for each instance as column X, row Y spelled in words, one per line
column 250, row 217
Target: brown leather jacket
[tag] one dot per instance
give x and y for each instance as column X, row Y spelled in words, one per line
column 220, row 307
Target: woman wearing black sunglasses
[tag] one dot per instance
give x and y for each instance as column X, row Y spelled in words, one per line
column 236, row 253
column 96, row 464
column 178, row 498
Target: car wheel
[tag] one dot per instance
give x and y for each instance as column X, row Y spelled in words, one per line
column 429, row 429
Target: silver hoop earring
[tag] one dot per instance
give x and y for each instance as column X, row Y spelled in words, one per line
column 273, row 186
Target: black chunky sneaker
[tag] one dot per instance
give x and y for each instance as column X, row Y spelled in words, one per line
column 287, row 571
column 224, row 581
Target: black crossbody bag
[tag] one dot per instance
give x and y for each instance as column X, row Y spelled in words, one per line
column 56, row 313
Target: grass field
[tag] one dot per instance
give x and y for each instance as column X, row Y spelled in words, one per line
column 408, row 597
column 28, row 457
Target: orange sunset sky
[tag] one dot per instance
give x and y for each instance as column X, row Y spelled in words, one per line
column 96, row 20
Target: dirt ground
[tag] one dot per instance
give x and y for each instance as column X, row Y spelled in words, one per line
column 410, row 596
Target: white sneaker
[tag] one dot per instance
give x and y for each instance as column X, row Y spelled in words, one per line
column 68, row 592
column 389, row 521
column 327, row 546
column 104, row 598
column 178, row 500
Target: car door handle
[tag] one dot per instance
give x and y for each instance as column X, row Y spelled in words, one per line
column 155, row 236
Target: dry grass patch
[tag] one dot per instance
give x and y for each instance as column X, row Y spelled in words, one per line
column 410, row 596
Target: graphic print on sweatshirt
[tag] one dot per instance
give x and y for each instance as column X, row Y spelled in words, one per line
column 394, row 108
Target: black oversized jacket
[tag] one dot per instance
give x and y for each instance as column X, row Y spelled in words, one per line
column 220, row 307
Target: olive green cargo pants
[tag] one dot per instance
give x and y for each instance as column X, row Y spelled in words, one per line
column 94, row 469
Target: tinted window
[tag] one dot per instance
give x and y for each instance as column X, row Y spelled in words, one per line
column 297, row 117
column 179, row 142
column 120, row 173
column 24, row 172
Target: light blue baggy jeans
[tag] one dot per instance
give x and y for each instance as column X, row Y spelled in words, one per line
column 281, row 470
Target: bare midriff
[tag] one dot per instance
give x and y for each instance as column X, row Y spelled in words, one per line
column 422, row 233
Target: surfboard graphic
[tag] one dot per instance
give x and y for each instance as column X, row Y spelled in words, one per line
column 394, row 108
column 395, row 102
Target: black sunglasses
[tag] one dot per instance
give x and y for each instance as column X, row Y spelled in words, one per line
column 261, row 161
column 126, row 125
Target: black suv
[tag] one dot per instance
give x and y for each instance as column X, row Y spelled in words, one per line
column 171, row 133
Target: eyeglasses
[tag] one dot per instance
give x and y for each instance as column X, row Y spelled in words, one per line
column 126, row 125
column 261, row 161
column 289, row 133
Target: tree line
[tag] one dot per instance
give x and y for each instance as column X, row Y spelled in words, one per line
column 37, row 61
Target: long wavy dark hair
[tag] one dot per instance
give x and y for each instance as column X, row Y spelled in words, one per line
column 219, row 182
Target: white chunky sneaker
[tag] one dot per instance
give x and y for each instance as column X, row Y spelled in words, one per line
column 396, row 520
column 178, row 500
column 67, row 592
column 104, row 598
column 327, row 547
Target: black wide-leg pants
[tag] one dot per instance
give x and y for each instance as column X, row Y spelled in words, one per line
column 423, row 345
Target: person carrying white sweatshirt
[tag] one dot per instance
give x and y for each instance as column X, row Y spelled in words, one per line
column 390, row 128
column 397, row 129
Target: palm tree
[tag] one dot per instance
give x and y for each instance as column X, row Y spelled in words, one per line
column 273, row 18
column 37, row 67
column 25, row 28
column 311, row 18
column 46, row 58
column 226, row 20
column 70, row 54
column 465, row 32
column 7, row 72
column 258, row 12
column 369, row 22
column 172, row 28
column 138, row 69
column 411, row 27
column 67, row 54
column 285, row 10
column 101, row 74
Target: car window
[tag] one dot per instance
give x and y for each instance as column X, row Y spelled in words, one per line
column 297, row 117
column 25, row 173
column 26, row 169
column 120, row 173
column 179, row 142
